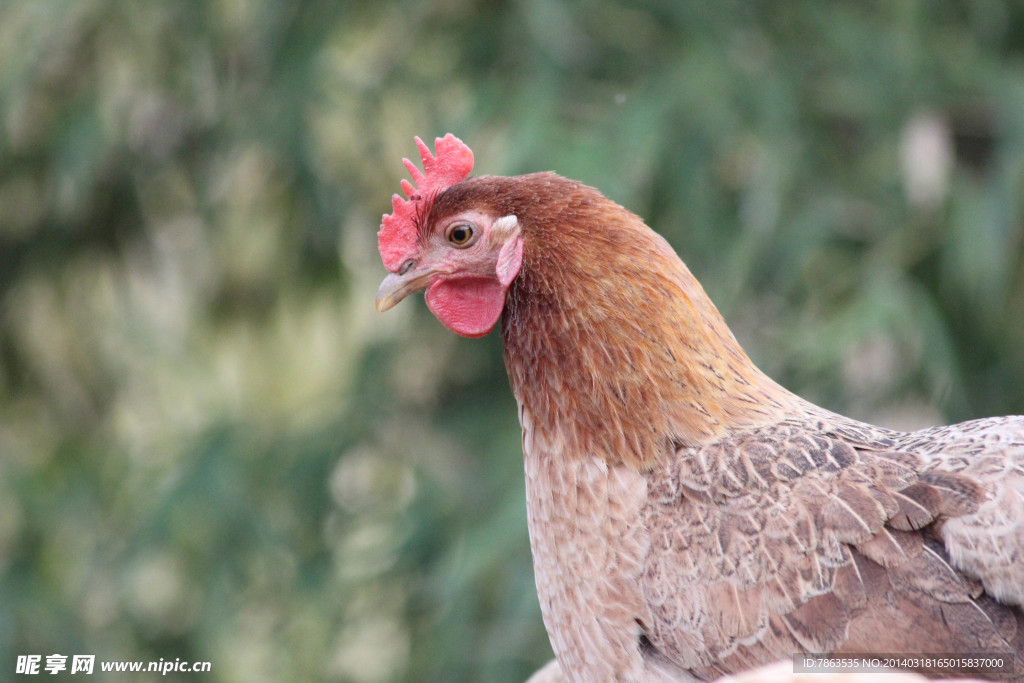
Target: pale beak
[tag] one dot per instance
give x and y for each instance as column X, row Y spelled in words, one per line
column 396, row 287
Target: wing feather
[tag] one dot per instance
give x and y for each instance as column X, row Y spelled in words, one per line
column 825, row 536
column 987, row 543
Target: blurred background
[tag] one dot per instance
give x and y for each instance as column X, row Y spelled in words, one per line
column 213, row 448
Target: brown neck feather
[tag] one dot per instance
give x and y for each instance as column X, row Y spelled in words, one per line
column 612, row 345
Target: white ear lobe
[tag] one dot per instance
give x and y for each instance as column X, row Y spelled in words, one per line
column 510, row 260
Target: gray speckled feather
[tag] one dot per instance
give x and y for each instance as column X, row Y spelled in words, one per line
column 821, row 534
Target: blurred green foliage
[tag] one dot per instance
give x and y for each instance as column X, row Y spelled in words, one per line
column 212, row 447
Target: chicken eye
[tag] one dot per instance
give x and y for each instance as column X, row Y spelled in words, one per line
column 460, row 234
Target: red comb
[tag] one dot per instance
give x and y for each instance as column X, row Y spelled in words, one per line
column 397, row 239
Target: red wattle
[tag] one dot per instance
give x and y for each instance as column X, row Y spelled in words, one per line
column 467, row 306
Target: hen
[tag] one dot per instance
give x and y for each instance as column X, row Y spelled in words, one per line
column 690, row 518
